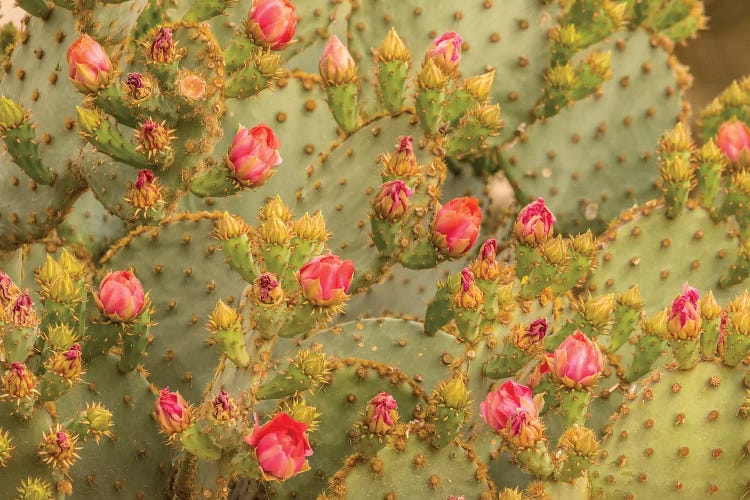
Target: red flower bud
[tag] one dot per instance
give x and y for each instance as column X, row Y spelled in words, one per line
column 381, row 413
column 253, row 154
column 577, row 362
column 445, row 52
column 172, row 412
column 456, row 226
column 272, row 23
column 121, row 296
column 281, row 447
column 684, row 319
column 734, row 140
column 89, row 67
column 513, row 412
column 326, row 279
column 533, row 225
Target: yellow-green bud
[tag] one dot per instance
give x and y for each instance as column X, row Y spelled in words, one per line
column 489, row 117
column 88, row 119
column 562, row 76
column 230, row 226
column 274, row 231
column 677, row 140
column 555, row 250
column 710, row 309
column 275, row 207
column 676, row 169
column 11, row 114
column 510, row 494
column 268, row 62
column 734, row 97
column 656, row 324
column 49, row 272
column 75, row 269
column 6, row 448
column 393, row 48
column 431, row 77
column 311, row 228
column 479, row 86
column 566, row 36
column 62, row 290
column 585, row 244
column 710, row 153
column 301, row 412
column 60, row 337
column 600, row 64
column 454, row 393
column 34, row 489
column 312, row 364
column 99, row 419
column 580, row 441
column 598, row 310
column 631, row 298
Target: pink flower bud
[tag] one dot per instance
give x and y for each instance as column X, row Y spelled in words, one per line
column 162, row 49
column 326, row 279
column 272, row 23
column 684, row 319
column 336, row 64
column 18, row 382
column 146, row 193
column 446, row 52
column 153, row 137
column 253, row 154
column 172, row 412
column 486, row 267
column 281, row 447
column 381, row 413
column 734, row 139
column 392, row 202
column 68, row 364
column 22, row 312
column 533, row 225
column 121, row 296
column 456, row 226
column 577, row 362
column 513, row 412
column 89, row 67
column 8, row 289
column 403, row 163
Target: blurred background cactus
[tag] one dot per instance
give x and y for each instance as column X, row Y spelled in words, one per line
column 254, row 249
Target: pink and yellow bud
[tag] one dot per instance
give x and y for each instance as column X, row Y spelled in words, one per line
column 403, row 163
column 281, row 447
column 121, row 297
column 513, row 412
column 456, row 226
column 530, row 338
column 163, row 47
column 223, row 407
column 253, row 154
column 21, row 312
column 392, row 201
column 485, row 266
column 89, row 67
column 576, row 363
column 336, row 65
column 469, row 295
column 8, row 289
column 153, row 138
column 534, row 223
column 68, row 364
column 58, row 449
column 684, row 319
column 146, row 193
column 445, row 52
column 382, row 413
column 267, row 290
column 172, row 412
column 734, row 140
column 325, row 279
column 138, row 86
column 18, row 382
column 272, row 23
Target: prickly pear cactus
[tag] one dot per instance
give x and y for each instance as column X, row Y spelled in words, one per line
column 249, row 250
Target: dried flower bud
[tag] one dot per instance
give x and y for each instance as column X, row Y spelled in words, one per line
column 163, row 46
column 224, row 409
column 266, row 289
column 58, row 449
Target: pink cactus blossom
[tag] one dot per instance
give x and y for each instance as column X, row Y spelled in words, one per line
column 577, row 362
column 326, row 279
column 336, row 64
column 684, row 319
column 445, row 51
column 281, row 447
column 89, row 67
column 253, row 154
column 456, row 226
column 734, row 140
column 121, row 296
column 392, row 201
column 533, row 225
column 172, row 412
column 272, row 23
column 513, row 413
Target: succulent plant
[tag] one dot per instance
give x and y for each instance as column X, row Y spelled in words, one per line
column 249, row 250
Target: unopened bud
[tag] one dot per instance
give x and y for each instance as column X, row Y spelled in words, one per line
column 479, row 86
column 223, row 317
column 656, row 324
column 11, row 114
column 100, row 421
column 580, row 441
column 585, row 244
column 677, row 140
column 676, row 169
column 301, row 412
column 230, row 226
column 739, row 313
column 469, row 295
column 34, row 489
column 6, row 448
column 337, row 67
column 530, row 338
column 710, row 153
column 381, row 414
column 598, row 310
column 154, row 138
column 58, row 449
column 510, row 494
column 88, row 120
column 311, row 228
column 60, row 337
column 402, row 163
column 555, row 250
column 67, row 364
column 274, row 231
column 710, row 309
column 489, row 117
column 71, row 265
column 600, row 64
column 454, row 393
column 172, row 412
column 146, row 192
column 49, row 272
column 562, row 76
column 312, row 364
column 631, row 298
column 485, row 266
column 393, row 48
column 566, row 36
column 162, row 48
column 268, row 63
column 392, row 201
column 275, row 207
column 431, row 77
